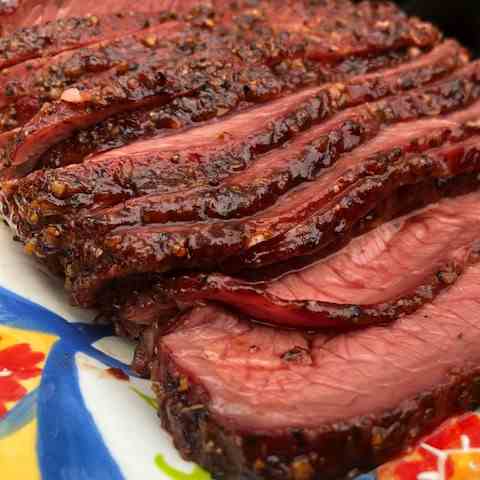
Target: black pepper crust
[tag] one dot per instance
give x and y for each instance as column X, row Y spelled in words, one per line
column 245, row 43
column 70, row 33
column 26, row 87
column 208, row 104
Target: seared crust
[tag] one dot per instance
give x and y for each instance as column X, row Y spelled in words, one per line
column 24, row 88
column 209, row 104
column 254, row 50
column 70, row 33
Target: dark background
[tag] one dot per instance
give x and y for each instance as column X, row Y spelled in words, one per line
column 456, row 18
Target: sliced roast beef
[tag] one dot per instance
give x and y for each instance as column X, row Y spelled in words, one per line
column 322, row 228
column 45, row 79
column 211, row 154
column 67, row 34
column 249, row 401
column 221, row 57
column 120, row 174
column 135, row 303
column 354, row 25
column 208, row 61
column 261, row 184
column 363, row 283
column 125, row 128
column 305, row 220
column 17, row 14
column 161, row 77
column 274, row 123
column 270, row 156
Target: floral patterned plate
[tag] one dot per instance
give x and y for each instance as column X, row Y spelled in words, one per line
column 70, row 408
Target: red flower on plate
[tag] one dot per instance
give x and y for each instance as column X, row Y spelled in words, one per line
column 17, row 362
column 452, row 452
